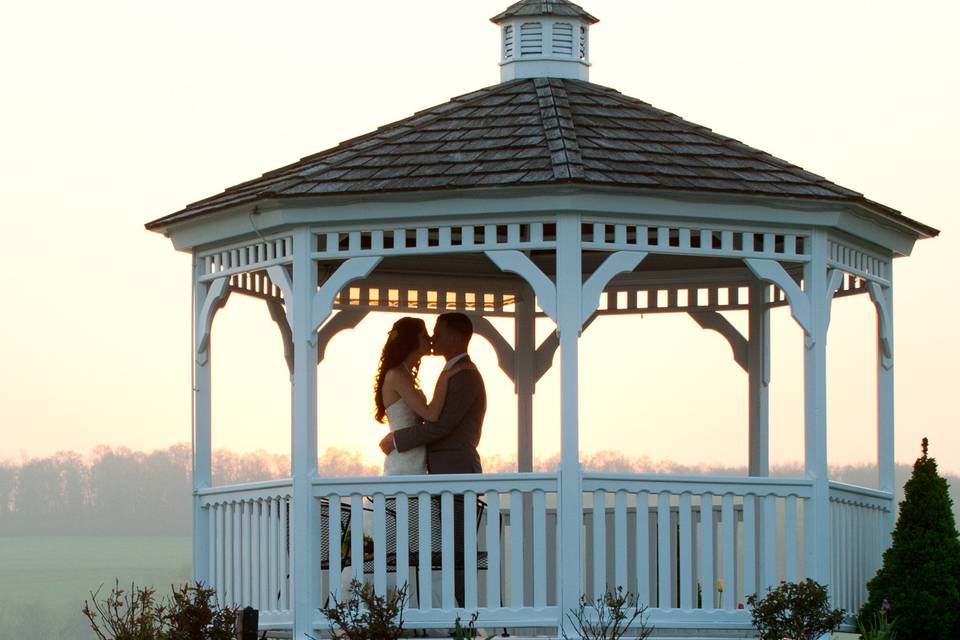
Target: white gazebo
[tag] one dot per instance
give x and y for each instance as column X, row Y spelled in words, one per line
column 544, row 196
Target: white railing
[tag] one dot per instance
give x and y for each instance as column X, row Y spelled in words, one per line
column 692, row 543
column 858, row 538
column 249, row 529
column 407, row 534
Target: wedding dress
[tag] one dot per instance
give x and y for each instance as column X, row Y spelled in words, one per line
column 406, row 463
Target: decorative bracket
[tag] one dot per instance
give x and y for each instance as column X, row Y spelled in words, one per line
column 216, row 298
column 505, row 353
column 278, row 275
column 884, row 323
column 834, row 280
column 517, row 262
column 715, row 321
column 280, row 316
column 615, row 264
column 345, row 319
column 773, row 271
column 352, row 269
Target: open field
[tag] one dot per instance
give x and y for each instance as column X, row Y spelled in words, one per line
column 45, row 579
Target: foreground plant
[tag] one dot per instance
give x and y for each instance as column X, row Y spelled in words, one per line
column 920, row 576
column 609, row 617
column 795, row 610
column 190, row 613
column 364, row 615
column 470, row 631
column 124, row 615
column 877, row 627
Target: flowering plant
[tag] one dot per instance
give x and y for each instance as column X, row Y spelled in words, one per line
column 877, row 627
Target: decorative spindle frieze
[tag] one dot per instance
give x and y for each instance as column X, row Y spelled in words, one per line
column 431, row 239
column 241, row 258
column 858, row 261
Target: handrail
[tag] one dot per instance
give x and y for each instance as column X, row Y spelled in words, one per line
column 800, row 487
column 457, row 483
column 243, row 489
column 875, row 497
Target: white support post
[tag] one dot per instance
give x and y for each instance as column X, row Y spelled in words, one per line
column 525, row 384
column 817, row 533
column 525, row 355
column 758, row 368
column 202, row 419
column 883, row 300
column 569, row 285
column 303, row 454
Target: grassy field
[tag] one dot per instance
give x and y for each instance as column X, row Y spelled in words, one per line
column 44, row 580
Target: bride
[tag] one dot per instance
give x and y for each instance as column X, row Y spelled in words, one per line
column 397, row 393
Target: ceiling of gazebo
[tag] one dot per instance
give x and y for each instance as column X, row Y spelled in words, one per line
column 537, row 132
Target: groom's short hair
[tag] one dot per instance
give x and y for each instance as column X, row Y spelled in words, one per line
column 458, row 322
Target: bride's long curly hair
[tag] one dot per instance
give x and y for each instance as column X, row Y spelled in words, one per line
column 403, row 338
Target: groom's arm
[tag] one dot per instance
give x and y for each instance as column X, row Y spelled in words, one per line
column 462, row 393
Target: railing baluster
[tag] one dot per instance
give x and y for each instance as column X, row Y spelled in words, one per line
column 212, row 531
column 539, row 549
column 246, row 555
column 274, row 584
column 283, row 543
column 750, row 544
column 447, row 549
column 620, row 539
column 790, row 539
column 685, row 552
column 516, row 549
column 228, row 554
column 599, row 543
column 708, row 585
column 643, row 548
column 379, row 544
column 425, row 588
column 402, row 509
column 470, row 550
column 665, row 589
column 493, row 550
column 238, row 552
column 769, row 539
column 335, row 552
column 258, row 555
column 356, row 536
column 729, row 552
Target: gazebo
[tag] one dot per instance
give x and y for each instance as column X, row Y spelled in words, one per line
column 544, row 196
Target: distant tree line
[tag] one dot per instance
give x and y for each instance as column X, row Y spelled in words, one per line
column 125, row 492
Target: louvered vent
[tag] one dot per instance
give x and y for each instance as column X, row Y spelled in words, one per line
column 563, row 39
column 583, row 43
column 531, row 39
column 508, row 42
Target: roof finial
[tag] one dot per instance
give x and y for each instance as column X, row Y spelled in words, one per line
column 544, row 39
column 924, row 446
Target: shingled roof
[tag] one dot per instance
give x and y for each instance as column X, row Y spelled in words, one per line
column 543, row 131
column 543, row 8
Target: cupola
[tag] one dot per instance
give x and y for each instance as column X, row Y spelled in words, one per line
column 544, row 39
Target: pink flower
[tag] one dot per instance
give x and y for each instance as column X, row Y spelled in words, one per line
column 885, row 605
column 739, row 605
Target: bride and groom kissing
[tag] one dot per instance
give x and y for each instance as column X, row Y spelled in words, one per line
column 440, row 435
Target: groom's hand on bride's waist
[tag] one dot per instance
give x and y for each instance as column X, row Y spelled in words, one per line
column 387, row 444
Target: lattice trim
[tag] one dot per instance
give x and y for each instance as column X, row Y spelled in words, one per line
column 245, row 257
column 435, row 239
column 776, row 245
column 858, row 262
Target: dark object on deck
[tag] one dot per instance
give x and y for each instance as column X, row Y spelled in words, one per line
column 248, row 619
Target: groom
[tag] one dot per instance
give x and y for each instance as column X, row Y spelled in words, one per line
column 452, row 440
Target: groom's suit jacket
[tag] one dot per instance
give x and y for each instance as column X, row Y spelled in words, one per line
column 452, row 440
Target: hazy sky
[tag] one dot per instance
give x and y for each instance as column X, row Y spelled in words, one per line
column 115, row 113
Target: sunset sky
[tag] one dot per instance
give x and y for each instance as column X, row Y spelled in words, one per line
column 115, row 113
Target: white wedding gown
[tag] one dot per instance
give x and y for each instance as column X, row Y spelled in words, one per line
column 406, row 463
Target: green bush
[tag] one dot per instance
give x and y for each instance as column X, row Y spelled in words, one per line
column 795, row 610
column 920, row 576
column 609, row 617
column 364, row 615
column 190, row 613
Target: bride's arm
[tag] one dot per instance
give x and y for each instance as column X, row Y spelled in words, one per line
column 414, row 398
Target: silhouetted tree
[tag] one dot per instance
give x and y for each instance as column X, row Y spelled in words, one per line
column 920, row 576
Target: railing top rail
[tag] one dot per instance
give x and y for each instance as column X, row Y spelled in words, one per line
column 698, row 484
column 448, row 482
column 865, row 492
column 689, row 479
column 245, row 488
